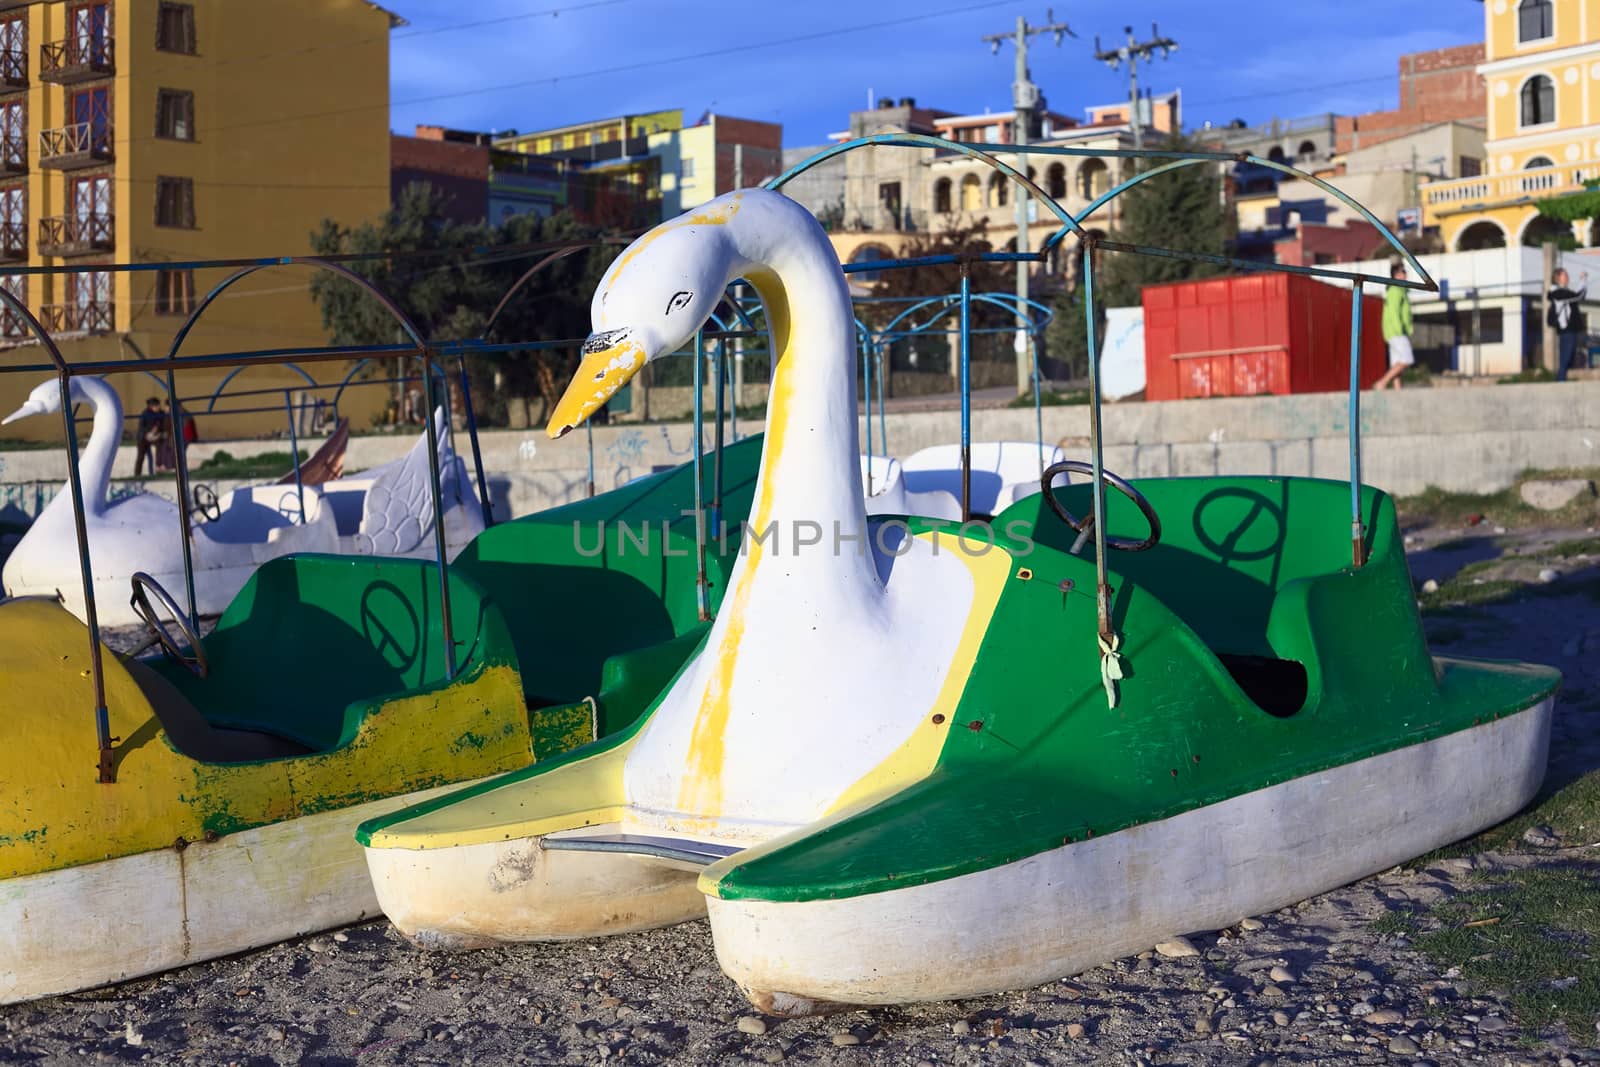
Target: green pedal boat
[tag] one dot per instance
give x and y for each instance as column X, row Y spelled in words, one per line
column 243, row 763
column 911, row 761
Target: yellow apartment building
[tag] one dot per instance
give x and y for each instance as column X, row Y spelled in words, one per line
column 1542, row 75
column 149, row 131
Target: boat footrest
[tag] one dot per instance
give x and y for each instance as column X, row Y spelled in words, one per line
column 684, row 850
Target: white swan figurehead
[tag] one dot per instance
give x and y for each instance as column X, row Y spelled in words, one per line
column 831, row 670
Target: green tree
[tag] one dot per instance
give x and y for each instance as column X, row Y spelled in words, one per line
column 1179, row 210
column 451, row 295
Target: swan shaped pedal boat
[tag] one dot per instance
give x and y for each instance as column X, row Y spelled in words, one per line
column 890, row 772
column 325, row 701
column 140, row 532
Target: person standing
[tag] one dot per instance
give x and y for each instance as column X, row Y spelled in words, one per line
column 1396, row 329
column 148, row 435
column 1562, row 312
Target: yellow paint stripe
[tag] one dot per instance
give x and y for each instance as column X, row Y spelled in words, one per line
column 587, row 792
column 701, row 790
column 915, row 759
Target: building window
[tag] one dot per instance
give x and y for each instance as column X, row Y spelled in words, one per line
column 686, row 168
column 90, row 41
column 1536, row 20
column 175, row 28
column 971, row 193
column 941, row 196
column 14, row 222
column 1538, row 101
column 13, row 136
column 174, row 292
column 12, row 325
column 1537, row 163
column 175, row 202
column 1469, row 167
column 1056, row 181
column 14, row 50
column 175, row 114
column 997, row 191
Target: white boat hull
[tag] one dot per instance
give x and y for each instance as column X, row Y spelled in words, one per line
column 1015, row 926
column 98, row 923
column 1061, row 912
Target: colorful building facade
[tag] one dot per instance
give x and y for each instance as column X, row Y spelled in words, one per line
column 153, row 130
column 1541, row 74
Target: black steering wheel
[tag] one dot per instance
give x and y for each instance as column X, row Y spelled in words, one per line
column 195, row 658
column 1085, row 525
column 205, row 503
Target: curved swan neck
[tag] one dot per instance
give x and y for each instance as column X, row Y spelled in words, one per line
column 100, row 452
column 812, row 436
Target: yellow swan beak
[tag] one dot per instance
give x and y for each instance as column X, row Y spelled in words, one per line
column 610, row 360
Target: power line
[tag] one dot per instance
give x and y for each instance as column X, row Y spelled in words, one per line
column 710, row 53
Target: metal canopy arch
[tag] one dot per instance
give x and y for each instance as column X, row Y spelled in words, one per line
column 941, row 306
column 1109, row 641
column 423, row 351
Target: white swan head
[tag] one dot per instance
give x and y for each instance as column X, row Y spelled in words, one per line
column 44, row 400
column 659, row 291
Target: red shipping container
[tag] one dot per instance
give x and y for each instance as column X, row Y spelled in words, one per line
column 1250, row 334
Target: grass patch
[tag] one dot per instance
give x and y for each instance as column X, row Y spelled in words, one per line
column 224, row 464
column 1052, row 399
column 11, row 444
column 1417, row 374
column 1583, row 546
column 1536, row 938
column 1504, row 508
column 1463, row 593
column 1532, row 374
column 1396, row 922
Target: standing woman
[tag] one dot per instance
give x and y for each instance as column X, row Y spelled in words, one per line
column 1396, row 329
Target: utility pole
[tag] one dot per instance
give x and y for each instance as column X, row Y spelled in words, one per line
column 1131, row 53
column 1025, row 100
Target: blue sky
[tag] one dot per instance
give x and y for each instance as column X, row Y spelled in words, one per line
column 494, row 64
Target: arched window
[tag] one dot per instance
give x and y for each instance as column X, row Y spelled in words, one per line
column 1480, row 235
column 941, row 197
column 1536, row 20
column 1538, row 101
column 1056, row 180
column 971, row 193
column 1094, row 178
column 997, row 190
column 1277, row 154
column 1306, row 152
column 1541, row 228
column 869, row 254
column 1537, row 162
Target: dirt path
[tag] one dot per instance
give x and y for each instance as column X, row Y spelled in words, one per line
column 1322, row 982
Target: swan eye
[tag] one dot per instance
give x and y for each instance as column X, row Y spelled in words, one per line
column 680, row 299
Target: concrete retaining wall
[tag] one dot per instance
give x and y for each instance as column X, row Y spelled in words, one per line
column 1456, row 439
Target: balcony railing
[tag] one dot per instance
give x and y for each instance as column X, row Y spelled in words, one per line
column 76, row 235
column 13, row 156
column 77, row 59
column 82, row 144
column 97, row 316
column 13, row 242
column 1500, row 188
column 12, row 326
column 13, row 68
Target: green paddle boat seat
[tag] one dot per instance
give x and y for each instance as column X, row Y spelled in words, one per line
column 339, row 633
column 1228, row 565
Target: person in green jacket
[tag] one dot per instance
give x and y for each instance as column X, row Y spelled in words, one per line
column 1396, row 329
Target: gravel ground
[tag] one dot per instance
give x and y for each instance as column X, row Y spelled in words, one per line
column 1311, row 984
